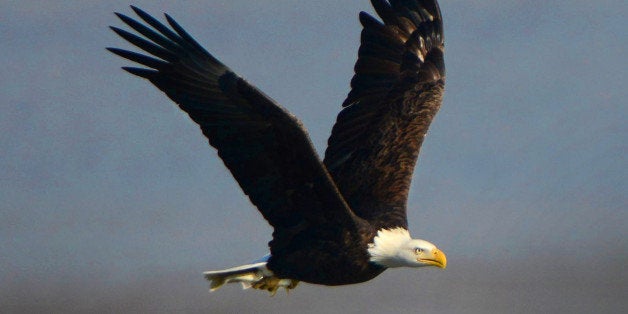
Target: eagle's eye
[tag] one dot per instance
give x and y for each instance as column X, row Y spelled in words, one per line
column 418, row 250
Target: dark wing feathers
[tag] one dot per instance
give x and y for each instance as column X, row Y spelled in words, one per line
column 265, row 148
column 395, row 93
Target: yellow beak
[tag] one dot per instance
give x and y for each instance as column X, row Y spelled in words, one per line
column 435, row 258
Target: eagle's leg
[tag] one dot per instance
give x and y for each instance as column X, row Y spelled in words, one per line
column 256, row 276
column 272, row 284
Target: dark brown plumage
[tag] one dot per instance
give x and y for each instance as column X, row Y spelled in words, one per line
column 324, row 214
column 396, row 91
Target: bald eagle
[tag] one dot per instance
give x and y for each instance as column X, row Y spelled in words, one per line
column 341, row 220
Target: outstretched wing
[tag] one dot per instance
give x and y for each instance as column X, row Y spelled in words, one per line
column 396, row 91
column 266, row 149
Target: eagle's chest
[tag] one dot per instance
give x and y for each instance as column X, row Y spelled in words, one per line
column 334, row 261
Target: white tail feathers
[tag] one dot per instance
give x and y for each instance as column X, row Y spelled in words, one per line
column 256, row 276
column 246, row 274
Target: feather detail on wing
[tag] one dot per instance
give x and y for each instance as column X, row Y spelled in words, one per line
column 396, row 91
column 266, row 149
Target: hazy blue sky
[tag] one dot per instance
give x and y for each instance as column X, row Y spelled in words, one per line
column 111, row 199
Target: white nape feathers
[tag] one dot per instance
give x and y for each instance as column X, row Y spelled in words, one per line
column 395, row 248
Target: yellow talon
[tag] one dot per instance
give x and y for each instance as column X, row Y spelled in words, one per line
column 272, row 284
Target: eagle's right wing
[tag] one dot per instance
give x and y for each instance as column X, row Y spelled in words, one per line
column 266, row 149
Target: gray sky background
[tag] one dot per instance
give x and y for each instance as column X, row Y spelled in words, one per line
column 112, row 200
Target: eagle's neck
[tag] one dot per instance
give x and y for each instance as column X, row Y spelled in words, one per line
column 387, row 245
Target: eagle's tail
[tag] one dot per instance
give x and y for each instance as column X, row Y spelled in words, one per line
column 256, row 276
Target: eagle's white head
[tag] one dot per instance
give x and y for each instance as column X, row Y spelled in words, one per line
column 395, row 248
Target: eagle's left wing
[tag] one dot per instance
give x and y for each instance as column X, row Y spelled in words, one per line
column 396, row 91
